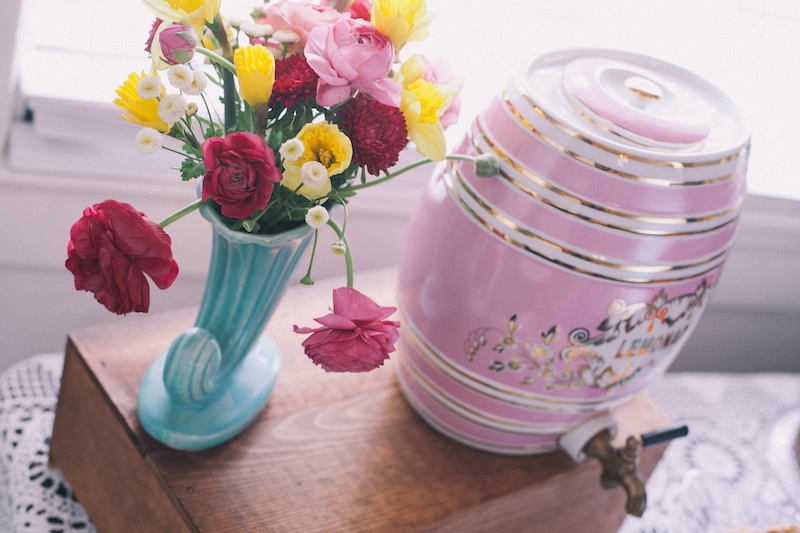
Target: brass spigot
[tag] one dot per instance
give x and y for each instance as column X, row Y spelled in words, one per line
column 619, row 468
column 593, row 439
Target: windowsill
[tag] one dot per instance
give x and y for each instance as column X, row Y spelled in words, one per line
column 485, row 46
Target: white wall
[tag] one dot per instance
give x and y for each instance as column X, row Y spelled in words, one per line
column 753, row 320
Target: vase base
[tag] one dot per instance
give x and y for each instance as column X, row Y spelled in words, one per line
column 186, row 428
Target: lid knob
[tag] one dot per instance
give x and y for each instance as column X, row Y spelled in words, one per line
column 634, row 102
column 643, row 88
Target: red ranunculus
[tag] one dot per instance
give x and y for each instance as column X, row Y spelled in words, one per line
column 359, row 9
column 240, row 173
column 110, row 250
column 378, row 133
column 355, row 337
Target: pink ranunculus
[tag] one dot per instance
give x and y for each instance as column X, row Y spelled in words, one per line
column 298, row 17
column 355, row 337
column 110, row 250
column 240, row 173
column 178, row 42
column 351, row 55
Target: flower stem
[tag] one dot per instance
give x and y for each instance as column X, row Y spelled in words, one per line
column 174, row 151
column 348, row 257
column 216, row 58
column 181, row 213
column 412, row 166
column 226, row 61
column 307, row 280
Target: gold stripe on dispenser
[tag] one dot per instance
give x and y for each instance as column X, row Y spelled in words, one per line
column 514, row 230
column 728, row 215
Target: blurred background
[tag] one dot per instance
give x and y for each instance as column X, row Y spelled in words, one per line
column 64, row 148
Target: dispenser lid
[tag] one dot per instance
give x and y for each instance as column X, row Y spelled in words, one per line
column 635, row 102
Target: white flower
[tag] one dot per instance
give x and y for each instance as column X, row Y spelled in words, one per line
column 317, row 217
column 180, row 76
column 292, row 149
column 339, row 247
column 253, row 29
column 149, row 87
column 313, row 174
column 172, row 108
column 148, row 141
column 198, row 84
column 235, row 21
column 286, row 36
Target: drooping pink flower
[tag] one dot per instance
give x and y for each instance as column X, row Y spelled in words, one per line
column 356, row 337
column 110, row 250
column 240, row 173
column 351, row 55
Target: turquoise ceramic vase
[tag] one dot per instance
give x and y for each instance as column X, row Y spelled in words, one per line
column 215, row 377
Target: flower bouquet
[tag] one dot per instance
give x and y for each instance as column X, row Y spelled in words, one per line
column 281, row 117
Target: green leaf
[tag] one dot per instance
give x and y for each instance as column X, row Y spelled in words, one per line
column 213, row 132
column 192, row 168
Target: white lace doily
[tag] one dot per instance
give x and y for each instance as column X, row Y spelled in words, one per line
column 719, row 477
column 716, row 479
column 33, row 497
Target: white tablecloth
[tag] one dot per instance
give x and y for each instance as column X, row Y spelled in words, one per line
column 718, row 478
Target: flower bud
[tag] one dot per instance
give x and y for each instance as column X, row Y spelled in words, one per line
column 487, row 165
column 339, row 247
column 255, row 68
column 178, row 42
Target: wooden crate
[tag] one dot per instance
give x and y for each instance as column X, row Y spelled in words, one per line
column 330, row 452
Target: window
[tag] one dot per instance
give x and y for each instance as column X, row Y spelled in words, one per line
column 77, row 51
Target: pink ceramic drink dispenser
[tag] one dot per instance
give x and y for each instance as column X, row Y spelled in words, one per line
column 537, row 299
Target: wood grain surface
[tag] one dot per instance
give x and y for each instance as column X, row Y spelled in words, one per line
column 330, row 452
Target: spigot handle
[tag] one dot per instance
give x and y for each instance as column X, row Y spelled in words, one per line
column 664, row 435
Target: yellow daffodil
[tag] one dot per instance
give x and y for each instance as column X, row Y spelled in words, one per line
column 324, row 146
column 401, row 20
column 138, row 109
column 422, row 103
column 255, row 68
column 193, row 12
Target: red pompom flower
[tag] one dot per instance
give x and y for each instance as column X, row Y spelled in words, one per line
column 110, row 250
column 355, row 337
column 378, row 133
column 295, row 81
